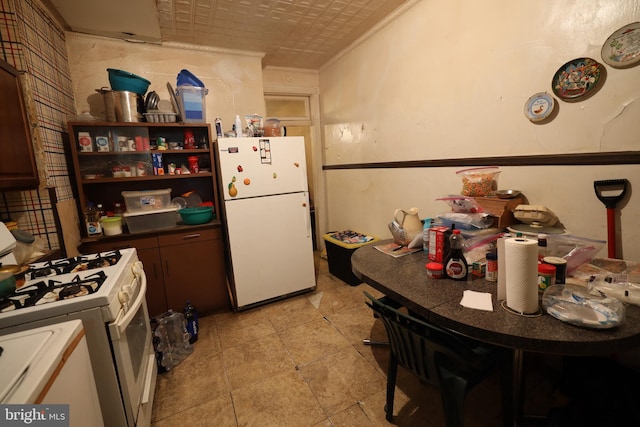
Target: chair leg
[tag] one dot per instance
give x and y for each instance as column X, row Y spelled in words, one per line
column 367, row 341
column 391, row 386
column 453, row 392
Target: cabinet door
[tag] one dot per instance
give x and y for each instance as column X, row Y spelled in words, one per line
column 194, row 270
column 156, row 296
column 17, row 162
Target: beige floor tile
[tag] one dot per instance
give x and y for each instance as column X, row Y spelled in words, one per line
column 281, row 400
column 291, row 312
column 218, row 411
column 182, row 387
column 342, row 379
column 257, row 360
column 339, row 298
column 208, row 340
column 247, row 333
column 353, row 416
column 313, row 340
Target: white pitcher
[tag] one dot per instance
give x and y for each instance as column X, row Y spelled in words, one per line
column 409, row 220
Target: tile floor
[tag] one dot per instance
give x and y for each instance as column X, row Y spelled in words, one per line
column 301, row 362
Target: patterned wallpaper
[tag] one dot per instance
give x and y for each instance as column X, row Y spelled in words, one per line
column 32, row 42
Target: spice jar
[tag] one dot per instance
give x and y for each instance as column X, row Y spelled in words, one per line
column 546, row 276
column 491, row 273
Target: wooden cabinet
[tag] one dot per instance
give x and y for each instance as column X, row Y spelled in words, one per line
column 101, row 176
column 183, row 262
column 180, row 265
column 17, row 162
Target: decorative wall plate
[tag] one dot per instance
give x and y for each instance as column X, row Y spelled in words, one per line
column 578, row 79
column 622, row 48
column 539, row 107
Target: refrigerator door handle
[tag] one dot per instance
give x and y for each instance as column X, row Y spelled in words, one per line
column 308, row 219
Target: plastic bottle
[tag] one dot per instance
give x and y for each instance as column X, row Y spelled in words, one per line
column 238, row 125
column 542, row 247
column 425, row 234
column 455, row 265
column 92, row 220
column 101, row 212
column 118, row 210
column 191, row 316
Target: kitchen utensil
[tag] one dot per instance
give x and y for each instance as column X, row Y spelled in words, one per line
column 174, row 102
column 409, row 221
column 578, row 79
column 196, row 215
column 151, row 102
column 126, row 81
column 610, row 201
column 621, row 49
column 109, row 98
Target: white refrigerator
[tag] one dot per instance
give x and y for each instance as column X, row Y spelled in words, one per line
column 267, row 216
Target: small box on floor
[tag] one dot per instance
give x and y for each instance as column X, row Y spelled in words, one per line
column 340, row 247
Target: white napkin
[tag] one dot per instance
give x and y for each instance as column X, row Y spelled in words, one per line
column 477, row 300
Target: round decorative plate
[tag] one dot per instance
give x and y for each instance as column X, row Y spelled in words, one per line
column 577, row 78
column 539, row 107
column 622, row 48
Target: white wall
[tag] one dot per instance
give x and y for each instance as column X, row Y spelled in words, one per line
column 449, row 79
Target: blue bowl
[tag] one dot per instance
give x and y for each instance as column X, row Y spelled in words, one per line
column 126, row 81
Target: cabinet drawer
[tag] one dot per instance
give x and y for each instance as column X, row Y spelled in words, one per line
column 110, row 245
column 185, row 236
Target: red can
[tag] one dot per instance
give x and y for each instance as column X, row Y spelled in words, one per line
column 193, row 164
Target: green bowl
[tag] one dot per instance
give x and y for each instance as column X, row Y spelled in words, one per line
column 196, row 215
column 125, row 81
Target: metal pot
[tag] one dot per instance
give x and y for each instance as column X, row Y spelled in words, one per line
column 8, row 279
column 122, row 106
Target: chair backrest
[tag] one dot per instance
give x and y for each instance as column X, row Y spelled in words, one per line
column 426, row 350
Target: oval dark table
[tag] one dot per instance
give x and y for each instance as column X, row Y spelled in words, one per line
column 404, row 280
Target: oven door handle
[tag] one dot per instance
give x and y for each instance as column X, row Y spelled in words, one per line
column 118, row 327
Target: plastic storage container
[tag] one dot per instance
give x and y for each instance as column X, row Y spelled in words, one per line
column 149, row 200
column 340, row 247
column 140, row 222
column 191, row 99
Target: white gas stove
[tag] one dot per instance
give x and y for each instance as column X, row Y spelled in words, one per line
column 107, row 292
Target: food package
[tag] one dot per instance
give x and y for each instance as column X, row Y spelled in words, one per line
column 479, row 182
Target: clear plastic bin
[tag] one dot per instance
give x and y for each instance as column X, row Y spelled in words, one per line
column 140, row 222
column 149, row 200
column 192, row 103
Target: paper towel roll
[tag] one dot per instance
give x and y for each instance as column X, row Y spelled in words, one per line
column 521, row 268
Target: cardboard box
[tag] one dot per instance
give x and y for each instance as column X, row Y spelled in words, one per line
column 438, row 244
column 339, row 256
column 501, row 209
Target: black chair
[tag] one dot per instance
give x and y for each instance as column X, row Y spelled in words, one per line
column 450, row 362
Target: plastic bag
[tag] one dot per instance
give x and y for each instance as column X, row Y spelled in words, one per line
column 619, row 286
column 479, row 182
column 462, row 204
column 576, row 250
column 574, row 305
column 465, row 221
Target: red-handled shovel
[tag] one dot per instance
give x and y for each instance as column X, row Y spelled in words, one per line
column 610, row 201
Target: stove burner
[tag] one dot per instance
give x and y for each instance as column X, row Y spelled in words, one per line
column 73, row 264
column 46, row 291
